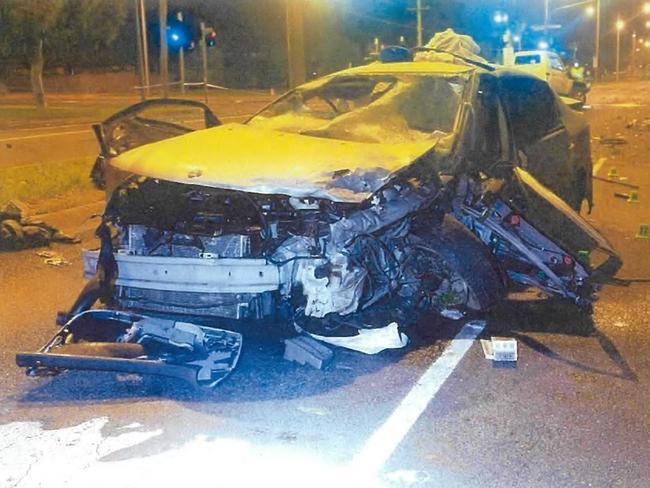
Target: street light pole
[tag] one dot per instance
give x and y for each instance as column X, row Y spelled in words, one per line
column 633, row 56
column 619, row 27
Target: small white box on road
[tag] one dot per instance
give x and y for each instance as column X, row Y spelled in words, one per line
column 500, row 348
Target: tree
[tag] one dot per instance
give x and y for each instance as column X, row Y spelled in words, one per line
column 85, row 32
column 25, row 26
column 59, row 32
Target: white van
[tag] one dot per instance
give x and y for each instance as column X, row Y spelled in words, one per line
column 548, row 66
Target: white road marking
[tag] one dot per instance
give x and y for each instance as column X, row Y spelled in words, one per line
column 47, row 134
column 89, row 131
column 82, row 455
column 385, row 440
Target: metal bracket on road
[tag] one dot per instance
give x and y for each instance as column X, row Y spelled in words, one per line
column 107, row 340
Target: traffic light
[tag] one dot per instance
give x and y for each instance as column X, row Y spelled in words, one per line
column 179, row 32
column 210, row 37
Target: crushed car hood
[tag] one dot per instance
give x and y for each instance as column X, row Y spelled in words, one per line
column 240, row 157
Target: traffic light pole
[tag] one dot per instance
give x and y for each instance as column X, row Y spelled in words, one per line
column 140, row 47
column 204, row 57
column 164, row 60
column 181, row 59
column 181, row 68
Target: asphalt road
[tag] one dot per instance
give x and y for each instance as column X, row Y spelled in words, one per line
column 573, row 412
column 58, row 141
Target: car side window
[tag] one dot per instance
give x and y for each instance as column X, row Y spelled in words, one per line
column 488, row 141
column 556, row 63
column 531, row 107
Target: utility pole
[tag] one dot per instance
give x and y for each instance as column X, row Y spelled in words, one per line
column 181, row 58
column 138, row 35
column 418, row 13
column 204, row 57
column 145, row 49
column 418, row 16
column 295, row 42
column 546, row 15
column 596, row 61
column 164, row 60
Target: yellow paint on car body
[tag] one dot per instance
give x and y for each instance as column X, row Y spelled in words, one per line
column 241, row 157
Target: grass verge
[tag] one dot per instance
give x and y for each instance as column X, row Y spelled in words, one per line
column 39, row 181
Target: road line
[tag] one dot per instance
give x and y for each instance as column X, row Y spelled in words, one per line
column 88, row 130
column 50, row 134
column 385, row 440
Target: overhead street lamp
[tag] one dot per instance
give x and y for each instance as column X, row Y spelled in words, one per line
column 592, row 9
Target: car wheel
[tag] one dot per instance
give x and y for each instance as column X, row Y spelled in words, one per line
column 472, row 277
column 580, row 95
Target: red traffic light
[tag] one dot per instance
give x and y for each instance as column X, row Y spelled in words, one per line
column 211, row 38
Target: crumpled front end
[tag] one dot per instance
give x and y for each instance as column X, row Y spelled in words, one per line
column 205, row 252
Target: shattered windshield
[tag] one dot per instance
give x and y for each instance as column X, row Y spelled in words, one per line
column 369, row 108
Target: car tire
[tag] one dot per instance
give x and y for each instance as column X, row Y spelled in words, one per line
column 465, row 254
column 580, row 95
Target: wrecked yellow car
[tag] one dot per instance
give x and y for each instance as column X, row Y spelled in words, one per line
column 357, row 201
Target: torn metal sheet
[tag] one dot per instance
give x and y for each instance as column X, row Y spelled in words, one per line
column 107, row 340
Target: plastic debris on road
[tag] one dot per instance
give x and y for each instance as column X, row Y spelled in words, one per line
column 452, row 313
column 500, row 348
column 52, row 258
column 370, row 341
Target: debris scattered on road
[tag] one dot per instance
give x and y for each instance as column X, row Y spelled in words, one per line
column 19, row 230
column 612, row 141
column 633, row 197
column 370, row 341
column 619, row 194
column 305, row 350
column 452, row 313
column 616, row 182
column 643, row 232
column 53, row 258
column 500, row 348
column 639, row 124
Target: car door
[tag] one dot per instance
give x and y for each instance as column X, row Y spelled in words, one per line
column 539, row 134
column 558, row 78
column 146, row 122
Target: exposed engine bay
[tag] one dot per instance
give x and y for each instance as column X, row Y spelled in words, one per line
column 179, row 249
column 171, row 250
